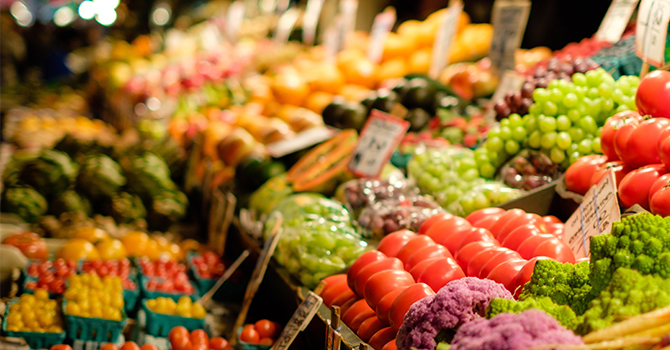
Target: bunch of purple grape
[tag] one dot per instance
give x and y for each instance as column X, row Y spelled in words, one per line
column 519, row 101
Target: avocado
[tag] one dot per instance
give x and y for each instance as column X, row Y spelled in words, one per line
column 386, row 100
column 354, row 116
column 401, row 87
column 369, row 100
column 421, row 94
column 332, row 114
column 418, row 118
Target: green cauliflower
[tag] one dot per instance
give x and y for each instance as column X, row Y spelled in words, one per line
column 562, row 313
column 167, row 208
column 100, row 177
column 628, row 294
column 563, row 283
column 70, row 202
column 25, row 202
column 149, row 177
column 51, row 174
column 125, row 208
column 641, row 242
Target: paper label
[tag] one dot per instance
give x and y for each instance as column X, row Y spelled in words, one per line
column 510, row 81
column 301, row 141
column 444, row 38
column 285, row 25
column 234, row 19
column 381, row 27
column 594, row 217
column 300, row 319
column 651, row 31
column 509, row 24
column 348, row 10
column 310, row 21
column 615, row 21
column 379, row 137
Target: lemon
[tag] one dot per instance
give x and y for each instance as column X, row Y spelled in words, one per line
column 184, row 300
column 27, row 299
column 14, row 308
column 151, row 304
column 14, row 318
column 198, row 311
column 85, row 306
column 72, row 308
column 41, row 294
column 55, row 329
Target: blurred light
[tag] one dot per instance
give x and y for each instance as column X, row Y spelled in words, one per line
column 106, row 18
column 21, row 14
column 160, row 16
column 153, row 103
column 86, row 10
column 63, row 16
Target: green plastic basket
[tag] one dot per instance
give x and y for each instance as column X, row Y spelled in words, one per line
column 130, row 296
column 95, row 329
column 149, row 294
column 229, row 291
column 160, row 324
column 34, row 339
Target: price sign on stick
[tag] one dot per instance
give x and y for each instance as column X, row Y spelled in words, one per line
column 444, row 38
column 651, row 31
column 509, row 24
column 348, row 10
column 595, row 216
column 381, row 27
column 234, row 19
column 285, row 25
column 310, row 21
column 300, row 319
column 379, row 137
column 615, row 21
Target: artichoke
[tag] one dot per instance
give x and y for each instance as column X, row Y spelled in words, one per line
column 51, row 174
column 125, row 208
column 167, row 208
column 149, row 177
column 70, row 202
column 100, row 177
column 25, row 202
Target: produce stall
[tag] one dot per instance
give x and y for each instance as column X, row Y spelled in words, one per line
column 265, row 175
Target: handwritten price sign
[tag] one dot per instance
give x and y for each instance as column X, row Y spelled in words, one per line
column 300, row 319
column 651, row 31
column 444, row 38
column 615, row 21
column 509, row 25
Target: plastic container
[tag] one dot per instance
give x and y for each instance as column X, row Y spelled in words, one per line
column 35, row 340
column 229, row 291
column 249, row 346
column 149, row 294
column 95, row 329
column 160, row 324
column 130, row 296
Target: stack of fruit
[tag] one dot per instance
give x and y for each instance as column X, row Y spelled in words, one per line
column 184, row 307
column 263, row 332
column 180, row 339
column 49, row 276
column 90, row 296
column 33, row 314
column 165, row 277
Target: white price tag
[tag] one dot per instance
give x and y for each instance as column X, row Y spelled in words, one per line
column 331, row 39
column 381, row 27
column 310, row 21
column 285, row 25
column 651, row 31
column 444, row 38
column 348, row 10
column 509, row 21
column 615, row 21
column 234, row 19
column 379, row 137
column 300, row 319
column 594, row 217
column 301, row 141
column 510, row 81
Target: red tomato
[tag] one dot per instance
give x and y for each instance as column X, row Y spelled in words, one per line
column 391, row 243
column 249, row 335
column 480, row 214
column 390, row 345
column 641, row 147
column 383, row 336
column 369, row 327
column 218, row 343
column 433, row 220
column 477, row 234
column 503, row 219
column 418, row 268
column 445, row 230
column 653, row 94
column 346, row 305
column 30, row 244
column 266, row 329
column 555, row 229
column 619, row 168
column 526, row 219
column 61, row 347
column 488, row 221
column 664, row 147
column 425, row 253
column 519, row 235
column 579, row 174
column 383, row 282
column 363, row 261
column 384, row 305
column 368, row 271
column 333, row 280
column 148, row 347
column 199, row 346
column 359, row 319
column 661, row 182
column 660, row 202
column 467, row 252
column 404, row 300
column 503, row 256
column 177, row 334
column 266, row 341
column 199, row 336
column 480, row 259
column 623, row 134
column 130, row 345
column 550, row 219
column 441, row 272
column 507, row 272
column 635, row 186
column 334, row 290
column 344, row 297
column 555, row 248
column 609, row 130
column 525, row 273
column 527, row 248
column 413, row 245
column 357, row 308
column 109, row 346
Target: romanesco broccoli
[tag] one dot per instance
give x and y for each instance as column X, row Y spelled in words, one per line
column 563, row 313
column 563, row 283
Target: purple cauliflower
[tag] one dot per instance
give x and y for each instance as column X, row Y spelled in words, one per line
column 435, row 318
column 531, row 328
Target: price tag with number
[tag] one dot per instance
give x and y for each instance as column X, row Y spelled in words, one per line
column 594, row 217
column 509, row 24
column 381, row 27
column 300, row 319
column 379, row 137
column 616, row 19
column 651, row 31
column 444, row 38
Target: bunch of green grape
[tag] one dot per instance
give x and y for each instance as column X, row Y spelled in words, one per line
column 564, row 121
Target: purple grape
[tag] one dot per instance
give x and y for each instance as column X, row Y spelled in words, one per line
column 542, row 83
column 527, row 89
column 540, row 72
column 500, row 106
column 567, row 68
column 516, row 98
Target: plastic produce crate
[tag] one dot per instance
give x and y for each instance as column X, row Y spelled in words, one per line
column 35, row 340
column 229, row 291
column 95, row 329
column 160, row 324
column 130, row 296
column 148, row 294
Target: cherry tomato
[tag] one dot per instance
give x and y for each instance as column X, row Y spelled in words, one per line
column 445, row 230
column 363, row 261
column 369, row 327
column 109, row 346
column 522, row 220
column 371, row 269
column 148, row 347
column 218, row 343
column 418, row 268
column 199, row 336
column 30, row 244
column 653, row 94
column 60, row 347
column 393, row 242
column 609, row 130
column 527, row 248
column 467, row 252
column 413, row 245
column 433, row 220
column 383, row 282
column 266, row 341
column 249, row 335
column 390, row 345
column 177, row 333
column 501, row 257
column 519, row 235
column 425, row 253
column 619, row 168
column 503, row 219
column 182, row 344
column 130, row 345
column 199, row 346
column 359, row 307
column 660, row 202
column 641, row 147
column 664, row 147
column 506, row 273
column 635, row 186
column 477, row 234
column 404, row 301
column 579, row 174
column 384, row 305
column 480, row 214
column 525, row 274
column 554, row 248
column 383, row 336
column 335, row 289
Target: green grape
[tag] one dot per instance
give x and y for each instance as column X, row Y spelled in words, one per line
column 576, row 134
column 557, row 155
column 548, row 140
column 550, row 108
column 581, row 92
column 512, row 147
column 624, row 86
column 505, row 132
column 424, row 180
column 494, row 132
column 504, row 123
column 519, row 134
column 579, row 79
column 482, row 157
column 633, row 90
column 592, row 79
column 593, row 93
column 607, row 105
column 556, row 95
column 487, row 170
column 541, row 95
column 595, row 107
column 563, row 140
column 621, row 108
column 535, row 109
column 595, row 144
column 468, row 203
column 588, row 124
column 531, row 122
column 554, row 84
column 515, row 120
column 582, row 107
column 494, row 144
column 607, row 79
column 481, row 202
column 494, row 156
column 574, row 147
column 563, row 123
column 599, row 131
column 534, row 139
column 561, row 109
column 617, row 95
column 585, row 146
column 631, row 103
column 570, row 100
column 434, row 185
column 573, row 115
column 574, row 156
column 470, row 175
column 633, row 80
column 466, row 164
column 547, row 124
column 589, row 136
column 605, row 89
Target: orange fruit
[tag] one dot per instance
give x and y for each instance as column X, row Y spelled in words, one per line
column 358, row 40
column 353, row 92
column 326, row 77
column 290, row 88
column 361, row 71
column 409, row 28
column 318, row 100
column 397, row 46
column 91, row 234
column 390, row 69
column 135, row 243
column 78, row 249
column 347, row 56
column 111, row 249
column 419, row 61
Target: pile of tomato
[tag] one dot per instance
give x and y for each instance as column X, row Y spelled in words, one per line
column 181, row 339
column 263, row 332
